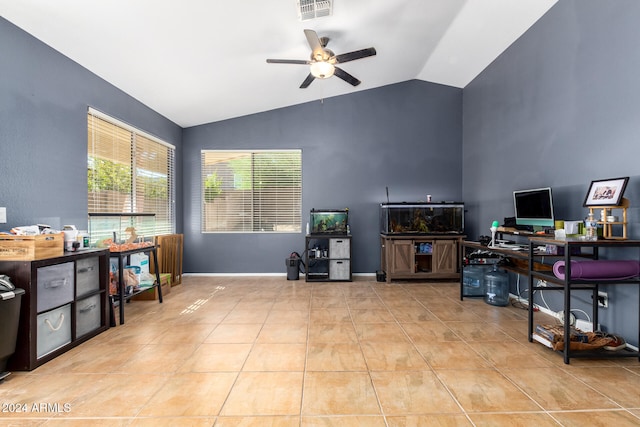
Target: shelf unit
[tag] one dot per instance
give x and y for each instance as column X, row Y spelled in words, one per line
column 573, row 248
column 608, row 226
column 328, row 258
column 121, row 298
column 64, row 304
column 420, row 257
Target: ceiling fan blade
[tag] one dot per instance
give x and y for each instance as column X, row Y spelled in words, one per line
column 357, row 54
column 340, row 73
column 315, row 44
column 288, row 61
column 305, row 84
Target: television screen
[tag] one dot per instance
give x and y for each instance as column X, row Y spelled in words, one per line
column 534, row 207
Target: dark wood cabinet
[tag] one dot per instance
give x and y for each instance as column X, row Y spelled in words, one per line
column 65, row 303
column 420, row 257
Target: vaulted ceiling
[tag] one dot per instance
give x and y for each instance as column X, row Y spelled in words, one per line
column 200, row 61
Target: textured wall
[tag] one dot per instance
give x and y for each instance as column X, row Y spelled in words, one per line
column 559, row 108
column 405, row 136
column 44, row 98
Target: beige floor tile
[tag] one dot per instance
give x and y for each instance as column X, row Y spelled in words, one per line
column 248, row 315
column 395, row 356
column 510, row 354
column 153, row 358
column 63, row 421
column 375, row 315
column 276, row 357
column 190, row 394
column 329, row 315
column 216, row 358
column 188, row 334
column 413, row 392
column 538, row 419
column 485, row 390
column 288, row 317
column 265, row 393
column 339, row 393
column 118, row 395
column 431, row 420
column 429, row 332
column 343, row 421
column 266, row 351
column 263, row 421
column 332, row 333
column 171, row 422
column 555, row 389
column 365, row 303
column 412, row 314
column 480, row 332
column 380, row 332
column 283, row 333
column 335, row 357
column 452, row 355
column 617, row 418
column 616, row 383
column 234, row 333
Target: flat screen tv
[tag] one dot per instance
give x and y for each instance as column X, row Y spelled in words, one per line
column 534, row 207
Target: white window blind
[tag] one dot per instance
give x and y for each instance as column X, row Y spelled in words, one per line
column 129, row 171
column 251, row 191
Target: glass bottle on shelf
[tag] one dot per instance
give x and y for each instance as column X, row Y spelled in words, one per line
column 591, row 227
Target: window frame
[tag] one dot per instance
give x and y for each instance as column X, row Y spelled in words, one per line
column 138, row 142
column 294, row 196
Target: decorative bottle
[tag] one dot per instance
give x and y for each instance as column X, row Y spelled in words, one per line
column 591, row 227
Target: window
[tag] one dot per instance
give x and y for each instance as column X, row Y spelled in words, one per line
column 129, row 171
column 251, row 191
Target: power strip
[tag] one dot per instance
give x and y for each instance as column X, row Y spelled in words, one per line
column 584, row 325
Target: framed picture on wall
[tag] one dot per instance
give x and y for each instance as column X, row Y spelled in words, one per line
column 606, row 192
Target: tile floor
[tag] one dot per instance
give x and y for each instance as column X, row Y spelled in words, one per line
column 229, row 351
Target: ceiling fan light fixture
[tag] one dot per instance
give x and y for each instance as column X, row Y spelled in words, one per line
column 322, row 69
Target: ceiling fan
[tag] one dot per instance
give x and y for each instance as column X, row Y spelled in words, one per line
column 322, row 64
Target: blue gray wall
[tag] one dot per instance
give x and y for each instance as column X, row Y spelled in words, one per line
column 44, row 98
column 559, row 108
column 406, row 137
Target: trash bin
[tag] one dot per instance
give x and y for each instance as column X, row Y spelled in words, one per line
column 9, row 320
column 293, row 266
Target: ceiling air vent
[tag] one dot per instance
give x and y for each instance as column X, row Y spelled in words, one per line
column 310, row 9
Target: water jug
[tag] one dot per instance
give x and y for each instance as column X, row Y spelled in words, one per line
column 473, row 280
column 496, row 285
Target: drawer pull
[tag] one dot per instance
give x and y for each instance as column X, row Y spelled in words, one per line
column 85, row 270
column 55, row 283
column 87, row 308
column 55, row 328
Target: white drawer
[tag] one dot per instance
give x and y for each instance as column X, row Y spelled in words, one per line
column 54, row 330
column 339, row 248
column 55, row 285
column 339, row 269
column 87, row 275
column 87, row 315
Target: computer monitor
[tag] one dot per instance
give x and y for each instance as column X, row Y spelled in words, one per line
column 534, row 207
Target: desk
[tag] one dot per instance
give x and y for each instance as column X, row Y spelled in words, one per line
column 573, row 248
column 517, row 260
column 537, row 269
column 121, row 297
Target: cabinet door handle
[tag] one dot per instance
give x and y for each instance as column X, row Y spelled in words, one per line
column 87, row 308
column 56, row 283
column 85, row 270
column 55, row 328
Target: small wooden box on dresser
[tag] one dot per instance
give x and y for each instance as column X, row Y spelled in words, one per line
column 65, row 303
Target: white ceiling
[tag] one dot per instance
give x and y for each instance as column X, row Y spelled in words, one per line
column 200, row 61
